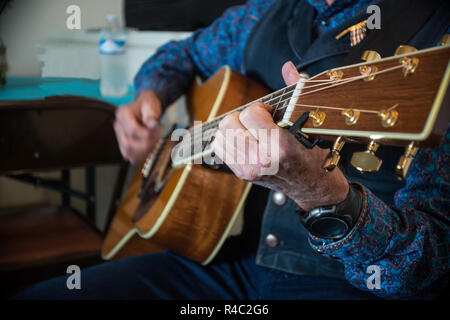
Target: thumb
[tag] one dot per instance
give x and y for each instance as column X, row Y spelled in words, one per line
column 290, row 73
column 150, row 113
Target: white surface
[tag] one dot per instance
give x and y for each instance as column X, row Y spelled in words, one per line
column 25, row 23
column 69, row 54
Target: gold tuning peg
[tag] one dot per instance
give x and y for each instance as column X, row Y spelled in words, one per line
column 367, row 161
column 445, row 40
column 404, row 49
column 370, row 55
column 318, row 117
column 351, row 116
column 334, row 156
column 366, row 70
column 409, row 64
column 404, row 164
column 388, row 117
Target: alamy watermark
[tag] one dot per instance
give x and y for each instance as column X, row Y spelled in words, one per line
column 73, row 21
column 374, row 280
column 374, row 21
column 258, row 148
column 74, row 280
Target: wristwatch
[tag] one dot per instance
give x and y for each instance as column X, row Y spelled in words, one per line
column 333, row 221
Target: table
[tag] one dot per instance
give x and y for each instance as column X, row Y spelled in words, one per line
column 25, row 88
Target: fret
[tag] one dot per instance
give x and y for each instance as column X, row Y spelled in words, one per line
column 277, row 97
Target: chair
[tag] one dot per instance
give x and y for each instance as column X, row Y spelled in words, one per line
column 53, row 134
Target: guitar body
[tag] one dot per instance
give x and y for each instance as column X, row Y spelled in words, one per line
column 194, row 207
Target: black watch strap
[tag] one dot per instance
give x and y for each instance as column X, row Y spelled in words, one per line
column 334, row 221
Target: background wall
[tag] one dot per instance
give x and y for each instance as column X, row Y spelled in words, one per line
column 25, row 22
column 23, row 25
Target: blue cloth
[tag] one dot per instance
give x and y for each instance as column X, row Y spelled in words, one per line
column 26, row 88
column 168, row 276
column 171, row 70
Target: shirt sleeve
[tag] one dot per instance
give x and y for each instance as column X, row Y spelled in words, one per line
column 409, row 243
column 171, row 70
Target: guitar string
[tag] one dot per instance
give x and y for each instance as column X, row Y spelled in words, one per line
column 281, row 98
column 212, row 124
column 393, row 107
column 342, row 109
column 291, row 89
column 352, row 79
column 209, row 134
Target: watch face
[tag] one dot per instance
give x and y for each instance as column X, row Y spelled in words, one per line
column 328, row 227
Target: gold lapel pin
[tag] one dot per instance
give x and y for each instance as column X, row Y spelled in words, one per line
column 357, row 33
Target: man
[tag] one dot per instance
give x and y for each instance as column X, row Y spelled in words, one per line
column 399, row 229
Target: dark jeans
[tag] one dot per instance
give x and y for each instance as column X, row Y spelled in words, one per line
column 169, row 276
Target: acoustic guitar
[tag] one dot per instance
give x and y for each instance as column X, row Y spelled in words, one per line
column 177, row 204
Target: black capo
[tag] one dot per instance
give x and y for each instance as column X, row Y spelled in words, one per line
column 295, row 130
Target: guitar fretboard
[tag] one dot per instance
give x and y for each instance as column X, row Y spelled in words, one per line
column 201, row 136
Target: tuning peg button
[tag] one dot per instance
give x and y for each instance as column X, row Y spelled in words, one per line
column 404, row 164
column 367, row 161
column 445, row 40
column 404, row 49
column 370, row 55
column 334, row 156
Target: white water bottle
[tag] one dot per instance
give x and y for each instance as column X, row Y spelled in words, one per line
column 113, row 68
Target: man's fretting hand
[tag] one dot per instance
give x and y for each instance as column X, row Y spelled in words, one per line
column 136, row 126
column 300, row 174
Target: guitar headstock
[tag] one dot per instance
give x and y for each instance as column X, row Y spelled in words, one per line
column 400, row 100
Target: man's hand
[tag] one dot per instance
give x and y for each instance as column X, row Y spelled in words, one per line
column 300, row 173
column 136, row 126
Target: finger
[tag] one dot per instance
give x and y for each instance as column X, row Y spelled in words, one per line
column 238, row 139
column 149, row 107
column 290, row 73
column 130, row 124
column 257, row 119
column 231, row 121
column 259, row 122
column 134, row 149
column 240, row 151
column 225, row 154
column 150, row 115
column 121, row 140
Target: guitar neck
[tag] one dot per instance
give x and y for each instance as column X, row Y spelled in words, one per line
column 204, row 133
column 394, row 101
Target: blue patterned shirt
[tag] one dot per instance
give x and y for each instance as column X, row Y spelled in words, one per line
column 409, row 241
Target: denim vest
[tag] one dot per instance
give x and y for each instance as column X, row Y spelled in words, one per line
column 284, row 33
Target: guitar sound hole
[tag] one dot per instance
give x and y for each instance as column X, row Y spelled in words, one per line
column 156, row 182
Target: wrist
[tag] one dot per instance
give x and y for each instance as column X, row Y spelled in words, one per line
column 334, row 191
column 333, row 221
